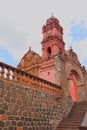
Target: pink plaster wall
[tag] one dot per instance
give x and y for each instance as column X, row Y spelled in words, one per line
column 48, row 74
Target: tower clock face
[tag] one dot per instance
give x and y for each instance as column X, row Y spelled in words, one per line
column 49, row 33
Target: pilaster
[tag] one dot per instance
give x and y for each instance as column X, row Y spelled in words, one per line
column 60, row 69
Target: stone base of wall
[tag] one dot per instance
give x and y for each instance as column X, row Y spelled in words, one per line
column 82, row 128
column 24, row 108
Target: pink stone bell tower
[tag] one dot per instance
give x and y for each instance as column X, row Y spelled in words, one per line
column 52, row 44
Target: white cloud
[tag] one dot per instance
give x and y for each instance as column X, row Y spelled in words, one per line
column 78, row 34
column 21, row 22
column 13, row 41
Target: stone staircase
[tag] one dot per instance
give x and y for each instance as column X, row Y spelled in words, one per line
column 75, row 117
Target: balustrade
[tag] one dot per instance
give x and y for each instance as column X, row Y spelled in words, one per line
column 10, row 73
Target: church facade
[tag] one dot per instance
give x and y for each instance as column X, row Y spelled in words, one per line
column 56, row 64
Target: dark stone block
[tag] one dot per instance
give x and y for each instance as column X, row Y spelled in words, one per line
column 7, row 99
column 20, row 123
column 17, row 107
column 26, row 119
column 10, row 117
column 22, row 108
column 7, row 123
column 1, row 98
column 28, row 124
column 22, row 118
column 5, row 106
column 19, row 102
column 3, row 92
column 30, row 119
column 2, row 123
column 5, row 128
column 17, row 118
column 13, row 123
column 14, row 95
column 20, row 113
column 14, row 89
column 25, row 103
column 24, row 123
column 14, row 112
column 8, row 87
column 15, row 128
column 25, row 128
column 11, row 128
column 9, row 94
column 32, row 123
column 13, row 100
column 24, row 113
column 8, row 112
column 36, row 128
column 2, row 111
column 1, row 81
column 2, row 86
column 30, row 128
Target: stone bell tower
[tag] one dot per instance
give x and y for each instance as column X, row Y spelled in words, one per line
column 52, row 43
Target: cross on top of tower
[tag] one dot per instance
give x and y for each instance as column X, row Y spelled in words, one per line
column 52, row 15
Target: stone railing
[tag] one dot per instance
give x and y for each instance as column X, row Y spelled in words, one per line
column 12, row 74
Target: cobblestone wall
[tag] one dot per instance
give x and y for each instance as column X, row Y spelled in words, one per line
column 23, row 108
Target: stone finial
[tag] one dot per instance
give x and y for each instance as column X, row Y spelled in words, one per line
column 83, row 66
column 30, row 48
column 71, row 48
column 52, row 15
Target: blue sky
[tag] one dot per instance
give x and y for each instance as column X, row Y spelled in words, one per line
column 78, row 31
column 6, row 57
column 21, row 24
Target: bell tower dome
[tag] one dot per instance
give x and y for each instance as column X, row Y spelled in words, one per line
column 52, row 43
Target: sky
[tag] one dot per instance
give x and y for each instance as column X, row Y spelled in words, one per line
column 21, row 24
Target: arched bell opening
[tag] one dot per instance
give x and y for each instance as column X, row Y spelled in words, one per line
column 49, row 52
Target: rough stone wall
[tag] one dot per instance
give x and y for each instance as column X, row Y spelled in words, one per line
column 85, row 81
column 83, row 128
column 73, row 129
column 60, row 68
column 23, row 108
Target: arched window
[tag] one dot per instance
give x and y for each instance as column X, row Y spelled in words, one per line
column 49, row 52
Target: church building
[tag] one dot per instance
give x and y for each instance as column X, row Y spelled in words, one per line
column 57, row 65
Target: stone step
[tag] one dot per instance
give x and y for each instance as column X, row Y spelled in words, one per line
column 68, row 127
column 69, row 121
column 69, row 124
column 74, row 118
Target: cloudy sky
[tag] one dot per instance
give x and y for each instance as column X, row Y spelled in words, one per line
column 21, row 24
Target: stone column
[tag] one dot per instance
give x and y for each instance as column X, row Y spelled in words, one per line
column 85, row 81
column 60, row 72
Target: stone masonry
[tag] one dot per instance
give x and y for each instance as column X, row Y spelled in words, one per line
column 24, row 108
